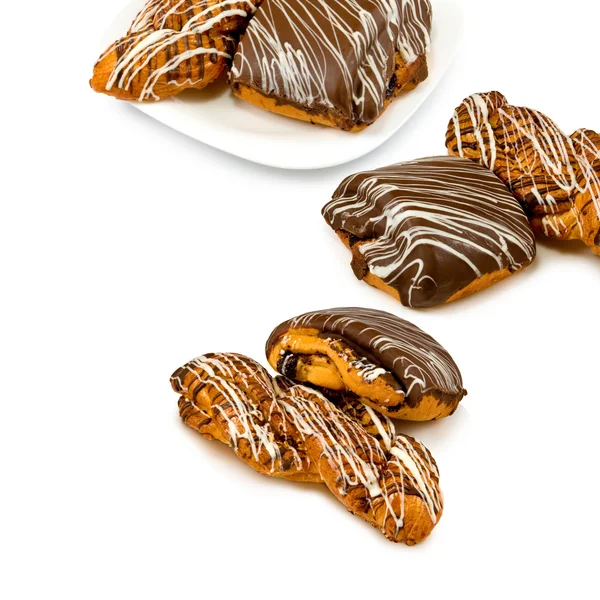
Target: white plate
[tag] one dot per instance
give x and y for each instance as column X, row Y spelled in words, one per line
column 214, row 116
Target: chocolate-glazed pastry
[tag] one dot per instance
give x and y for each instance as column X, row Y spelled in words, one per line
column 334, row 63
column 555, row 177
column 388, row 363
column 431, row 230
column 282, row 429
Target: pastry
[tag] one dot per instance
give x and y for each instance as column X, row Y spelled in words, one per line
column 587, row 204
column 387, row 363
column 287, row 430
column 431, row 230
column 555, row 177
column 333, row 63
column 172, row 45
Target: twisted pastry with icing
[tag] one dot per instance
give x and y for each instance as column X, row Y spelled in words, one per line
column 282, row 429
column 555, row 177
column 172, row 45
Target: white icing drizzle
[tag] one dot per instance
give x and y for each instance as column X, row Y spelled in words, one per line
column 440, row 203
column 361, row 461
column 414, row 37
column 331, row 51
column 387, row 431
column 555, row 159
column 387, row 471
column 148, row 39
column 479, row 112
column 204, row 11
column 145, row 18
column 243, row 417
column 368, row 371
column 352, row 458
column 553, row 150
column 587, row 152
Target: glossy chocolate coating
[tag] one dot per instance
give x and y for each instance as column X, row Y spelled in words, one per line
column 430, row 227
column 325, row 56
column 419, row 363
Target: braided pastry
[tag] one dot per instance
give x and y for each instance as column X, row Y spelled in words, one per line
column 172, row 45
column 390, row 364
column 282, row 429
column 556, row 178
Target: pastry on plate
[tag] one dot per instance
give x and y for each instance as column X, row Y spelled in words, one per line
column 387, row 363
column 287, row 430
column 333, row 63
column 430, row 230
column 172, row 45
column 554, row 176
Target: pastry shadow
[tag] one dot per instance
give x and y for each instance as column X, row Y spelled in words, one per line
column 221, row 454
column 502, row 287
column 568, row 247
column 208, row 94
column 440, row 432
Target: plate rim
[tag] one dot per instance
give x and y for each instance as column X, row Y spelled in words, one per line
column 174, row 119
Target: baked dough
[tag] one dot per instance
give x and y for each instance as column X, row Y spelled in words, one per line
column 554, row 176
column 388, row 363
column 287, row 430
column 172, row 45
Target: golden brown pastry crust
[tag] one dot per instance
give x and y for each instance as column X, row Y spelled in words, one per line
column 282, row 429
column 172, row 45
column 326, row 363
column 477, row 285
column 555, row 177
column 147, row 76
column 406, row 77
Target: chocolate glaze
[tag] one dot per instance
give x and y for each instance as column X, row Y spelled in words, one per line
column 419, row 363
column 430, row 227
column 325, row 56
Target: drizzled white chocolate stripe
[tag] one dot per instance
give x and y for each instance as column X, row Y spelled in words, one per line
column 199, row 12
column 147, row 47
column 442, row 206
column 234, row 378
column 528, row 151
column 361, row 462
column 145, row 18
column 337, row 54
column 414, row 36
column 151, row 42
column 587, row 152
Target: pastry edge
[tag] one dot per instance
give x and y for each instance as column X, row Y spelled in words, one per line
column 414, row 74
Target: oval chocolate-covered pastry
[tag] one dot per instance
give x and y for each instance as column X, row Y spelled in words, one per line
column 388, row 363
column 431, row 230
column 333, row 63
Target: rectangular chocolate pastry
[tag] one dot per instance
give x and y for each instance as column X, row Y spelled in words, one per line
column 337, row 63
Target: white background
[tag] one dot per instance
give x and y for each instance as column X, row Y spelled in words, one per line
column 128, row 249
